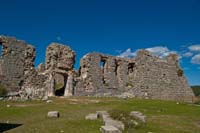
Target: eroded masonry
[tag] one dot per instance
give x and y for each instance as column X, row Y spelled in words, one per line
column 145, row 76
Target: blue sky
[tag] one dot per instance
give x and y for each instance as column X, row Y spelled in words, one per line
column 116, row 27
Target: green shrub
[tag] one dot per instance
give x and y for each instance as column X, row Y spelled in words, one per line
column 129, row 121
column 3, row 91
column 128, row 84
column 196, row 90
column 180, row 72
column 58, row 86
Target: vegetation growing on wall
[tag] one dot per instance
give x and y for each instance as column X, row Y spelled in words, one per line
column 180, row 72
column 58, row 86
column 3, row 91
column 196, row 90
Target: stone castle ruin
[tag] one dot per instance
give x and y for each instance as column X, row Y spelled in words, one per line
column 145, row 76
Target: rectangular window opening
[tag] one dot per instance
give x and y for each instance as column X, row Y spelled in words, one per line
column 131, row 67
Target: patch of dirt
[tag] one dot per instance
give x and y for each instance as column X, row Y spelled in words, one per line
column 83, row 101
column 25, row 105
column 197, row 123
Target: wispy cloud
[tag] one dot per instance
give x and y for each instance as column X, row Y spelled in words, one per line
column 128, row 54
column 193, row 51
column 194, row 48
column 187, row 54
column 196, row 59
column 160, row 51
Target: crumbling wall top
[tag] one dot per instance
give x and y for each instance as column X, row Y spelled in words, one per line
column 59, row 56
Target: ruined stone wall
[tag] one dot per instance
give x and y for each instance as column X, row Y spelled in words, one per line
column 18, row 74
column 144, row 76
column 157, row 78
column 102, row 75
column 59, row 67
column 59, row 56
column 14, row 62
column 91, row 75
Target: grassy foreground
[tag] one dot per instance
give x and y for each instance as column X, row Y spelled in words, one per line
column 162, row 116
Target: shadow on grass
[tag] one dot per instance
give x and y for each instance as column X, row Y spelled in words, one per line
column 6, row 127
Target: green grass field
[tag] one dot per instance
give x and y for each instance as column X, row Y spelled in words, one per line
column 162, row 116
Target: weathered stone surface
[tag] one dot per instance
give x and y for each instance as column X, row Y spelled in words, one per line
column 138, row 115
column 144, row 76
column 41, row 68
column 53, row 114
column 18, row 74
column 69, row 88
column 59, row 64
column 115, row 123
column 45, row 98
column 101, row 113
column 126, row 95
column 59, row 56
column 16, row 59
column 106, row 117
column 91, row 117
column 109, row 129
column 49, row 101
column 8, row 106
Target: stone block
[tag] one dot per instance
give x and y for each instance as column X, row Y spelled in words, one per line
column 106, row 117
column 109, row 129
column 91, row 117
column 45, row 98
column 115, row 123
column 53, row 114
column 138, row 115
column 8, row 106
column 49, row 101
column 101, row 113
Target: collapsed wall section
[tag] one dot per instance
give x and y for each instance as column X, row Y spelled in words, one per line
column 91, row 75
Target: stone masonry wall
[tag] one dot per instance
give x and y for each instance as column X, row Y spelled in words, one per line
column 13, row 63
column 18, row 74
column 144, row 76
column 59, row 67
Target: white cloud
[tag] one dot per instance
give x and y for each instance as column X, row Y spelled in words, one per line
column 127, row 54
column 187, row 54
column 196, row 59
column 160, row 51
column 194, row 48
